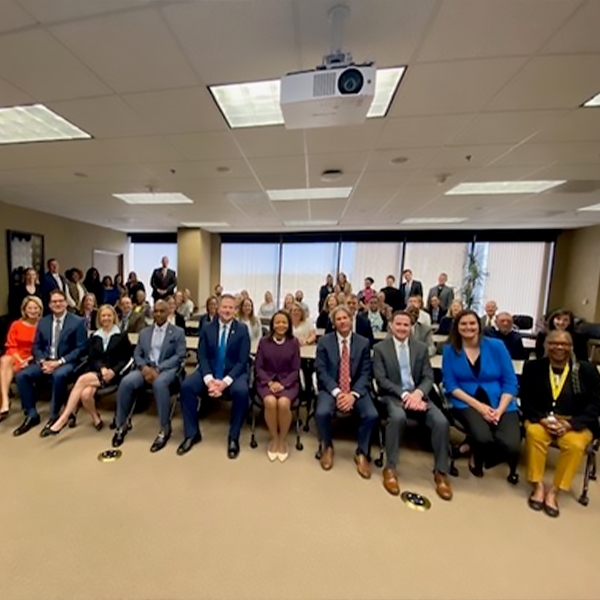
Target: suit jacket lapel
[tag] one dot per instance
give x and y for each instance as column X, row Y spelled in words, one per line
column 392, row 358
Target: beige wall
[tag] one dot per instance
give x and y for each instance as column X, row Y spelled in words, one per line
column 575, row 281
column 71, row 242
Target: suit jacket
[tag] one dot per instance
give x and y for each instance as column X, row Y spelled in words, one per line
column 435, row 318
column 72, row 341
column 327, row 364
column 168, row 283
column 172, row 352
column 446, row 296
column 512, row 340
column 496, row 374
column 536, row 395
column 386, row 368
column 363, row 327
column 117, row 354
column 424, row 334
column 135, row 323
column 237, row 354
column 415, row 289
column 392, row 297
column 48, row 284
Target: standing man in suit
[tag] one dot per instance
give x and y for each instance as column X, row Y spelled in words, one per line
column 405, row 378
column 343, row 366
column 444, row 293
column 59, row 341
column 223, row 361
column 410, row 287
column 163, row 281
column 51, row 281
column 158, row 356
column 129, row 321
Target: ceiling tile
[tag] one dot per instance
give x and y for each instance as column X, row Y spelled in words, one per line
column 456, row 157
column 205, row 146
column 579, row 33
column 355, row 138
column 270, row 141
column 327, row 209
column 51, row 11
column 11, row 96
column 12, row 16
column 580, row 125
column 546, row 154
column 292, row 211
column 205, row 169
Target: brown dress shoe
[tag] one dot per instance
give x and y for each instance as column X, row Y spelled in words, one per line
column 442, row 486
column 327, row 459
column 363, row 466
column 390, row 482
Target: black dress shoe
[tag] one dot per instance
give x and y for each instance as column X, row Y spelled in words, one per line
column 233, row 449
column 99, row 425
column 161, row 441
column 188, row 443
column 535, row 504
column 513, row 478
column 26, row 425
column 476, row 470
column 4, row 415
column 119, row 437
column 72, row 420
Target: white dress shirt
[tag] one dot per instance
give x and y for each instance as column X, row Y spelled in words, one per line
column 226, row 380
column 424, row 318
column 156, row 342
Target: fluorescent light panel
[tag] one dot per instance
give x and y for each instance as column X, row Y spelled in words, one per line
column 592, row 207
column 256, row 103
column 502, row 187
column 310, row 223
column 36, row 123
column 206, row 225
column 327, row 193
column 595, row 101
column 431, row 220
column 154, row 198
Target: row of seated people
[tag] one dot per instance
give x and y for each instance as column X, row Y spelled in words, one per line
column 560, row 396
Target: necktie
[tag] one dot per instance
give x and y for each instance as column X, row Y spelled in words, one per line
column 407, row 291
column 405, row 374
column 221, row 350
column 125, row 324
column 55, row 336
column 345, row 368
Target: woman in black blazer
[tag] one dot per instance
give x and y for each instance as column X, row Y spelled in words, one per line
column 563, row 320
column 560, row 401
column 109, row 352
column 29, row 286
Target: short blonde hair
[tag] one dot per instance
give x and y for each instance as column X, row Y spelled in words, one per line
column 29, row 299
column 299, row 307
column 112, row 311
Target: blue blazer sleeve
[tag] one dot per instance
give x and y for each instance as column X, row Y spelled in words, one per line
column 326, row 380
column 240, row 366
column 449, row 358
column 80, row 342
column 40, row 344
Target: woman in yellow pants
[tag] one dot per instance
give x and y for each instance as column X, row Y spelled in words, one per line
column 560, row 400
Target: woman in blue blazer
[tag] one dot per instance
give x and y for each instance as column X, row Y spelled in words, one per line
column 481, row 383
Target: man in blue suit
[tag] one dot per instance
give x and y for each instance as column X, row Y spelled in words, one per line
column 223, row 360
column 159, row 355
column 343, row 366
column 52, row 280
column 59, row 341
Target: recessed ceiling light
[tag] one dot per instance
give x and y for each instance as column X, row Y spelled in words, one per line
column 431, row 220
column 205, row 225
column 330, row 175
column 310, row 223
column 592, row 207
column 595, row 101
column 256, row 103
column 327, row 193
column 502, row 187
column 154, row 198
column 36, row 123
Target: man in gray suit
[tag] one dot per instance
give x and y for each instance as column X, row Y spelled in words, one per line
column 158, row 356
column 444, row 293
column 405, row 378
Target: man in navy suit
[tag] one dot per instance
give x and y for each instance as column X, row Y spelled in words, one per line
column 159, row 355
column 359, row 322
column 343, row 366
column 223, row 360
column 163, row 281
column 52, row 280
column 410, row 287
column 59, row 341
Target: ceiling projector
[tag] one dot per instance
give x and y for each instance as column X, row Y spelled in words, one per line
column 338, row 92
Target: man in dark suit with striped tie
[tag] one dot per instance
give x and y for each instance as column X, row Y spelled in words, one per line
column 343, row 365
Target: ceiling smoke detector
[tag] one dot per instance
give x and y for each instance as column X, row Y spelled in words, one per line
column 330, row 175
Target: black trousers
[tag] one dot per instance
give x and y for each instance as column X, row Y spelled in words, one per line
column 492, row 444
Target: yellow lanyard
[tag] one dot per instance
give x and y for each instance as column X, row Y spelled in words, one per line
column 557, row 382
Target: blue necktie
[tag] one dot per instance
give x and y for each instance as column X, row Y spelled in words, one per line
column 407, row 381
column 222, row 349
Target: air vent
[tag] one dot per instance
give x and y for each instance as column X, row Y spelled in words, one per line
column 324, row 84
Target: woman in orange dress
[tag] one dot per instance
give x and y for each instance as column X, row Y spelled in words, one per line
column 19, row 343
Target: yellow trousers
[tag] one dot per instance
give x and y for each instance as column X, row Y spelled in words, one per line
column 571, row 446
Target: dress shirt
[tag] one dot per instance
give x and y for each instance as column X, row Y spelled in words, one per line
column 156, row 343
column 335, row 393
column 54, row 343
column 59, row 282
column 408, row 386
column 227, row 326
column 424, row 318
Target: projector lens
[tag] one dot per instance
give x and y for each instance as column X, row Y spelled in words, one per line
column 351, row 81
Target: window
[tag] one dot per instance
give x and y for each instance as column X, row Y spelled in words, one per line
column 370, row 259
column 252, row 267
column 144, row 258
column 304, row 267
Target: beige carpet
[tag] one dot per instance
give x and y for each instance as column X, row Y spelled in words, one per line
column 163, row 527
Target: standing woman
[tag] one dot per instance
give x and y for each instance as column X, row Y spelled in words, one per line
column 325, row 291
column 109, row 351
column 133, row 285
column 278, row 381
column 89, row 312
column 481, row 383
column 19, row 344
column 30, row 286
column 93, row 285
column 303, row 331
column 118, row 283
column 75, row 288
column 563, row 320
column 212, row 306
column 343, row 285
column 247, row 317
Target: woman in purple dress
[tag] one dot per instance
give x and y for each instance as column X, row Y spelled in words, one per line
column 278, row 381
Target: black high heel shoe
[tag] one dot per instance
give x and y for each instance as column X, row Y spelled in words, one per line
column 475, row 467
column 4, row 415
column 99, row 425
column 47, row 432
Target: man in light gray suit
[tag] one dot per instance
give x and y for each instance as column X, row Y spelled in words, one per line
column 444, row 293
column 405, row 378
column 158, row 356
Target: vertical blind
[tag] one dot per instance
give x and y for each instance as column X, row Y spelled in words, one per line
column 370, row 259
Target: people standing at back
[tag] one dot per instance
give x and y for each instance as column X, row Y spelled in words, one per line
column 409, row 287
column 29, row 286
column 93, row 285
column 365, row 295
column 392, row 293
column 111, row 293
column 325, row 290
column 444, row 293
column 342, row 284
column 75, row 288
column 119, row 285
column 562, row 320
column 163, row 281
column 51, row 281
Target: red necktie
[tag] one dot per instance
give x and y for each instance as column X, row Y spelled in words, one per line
column 345, row 368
